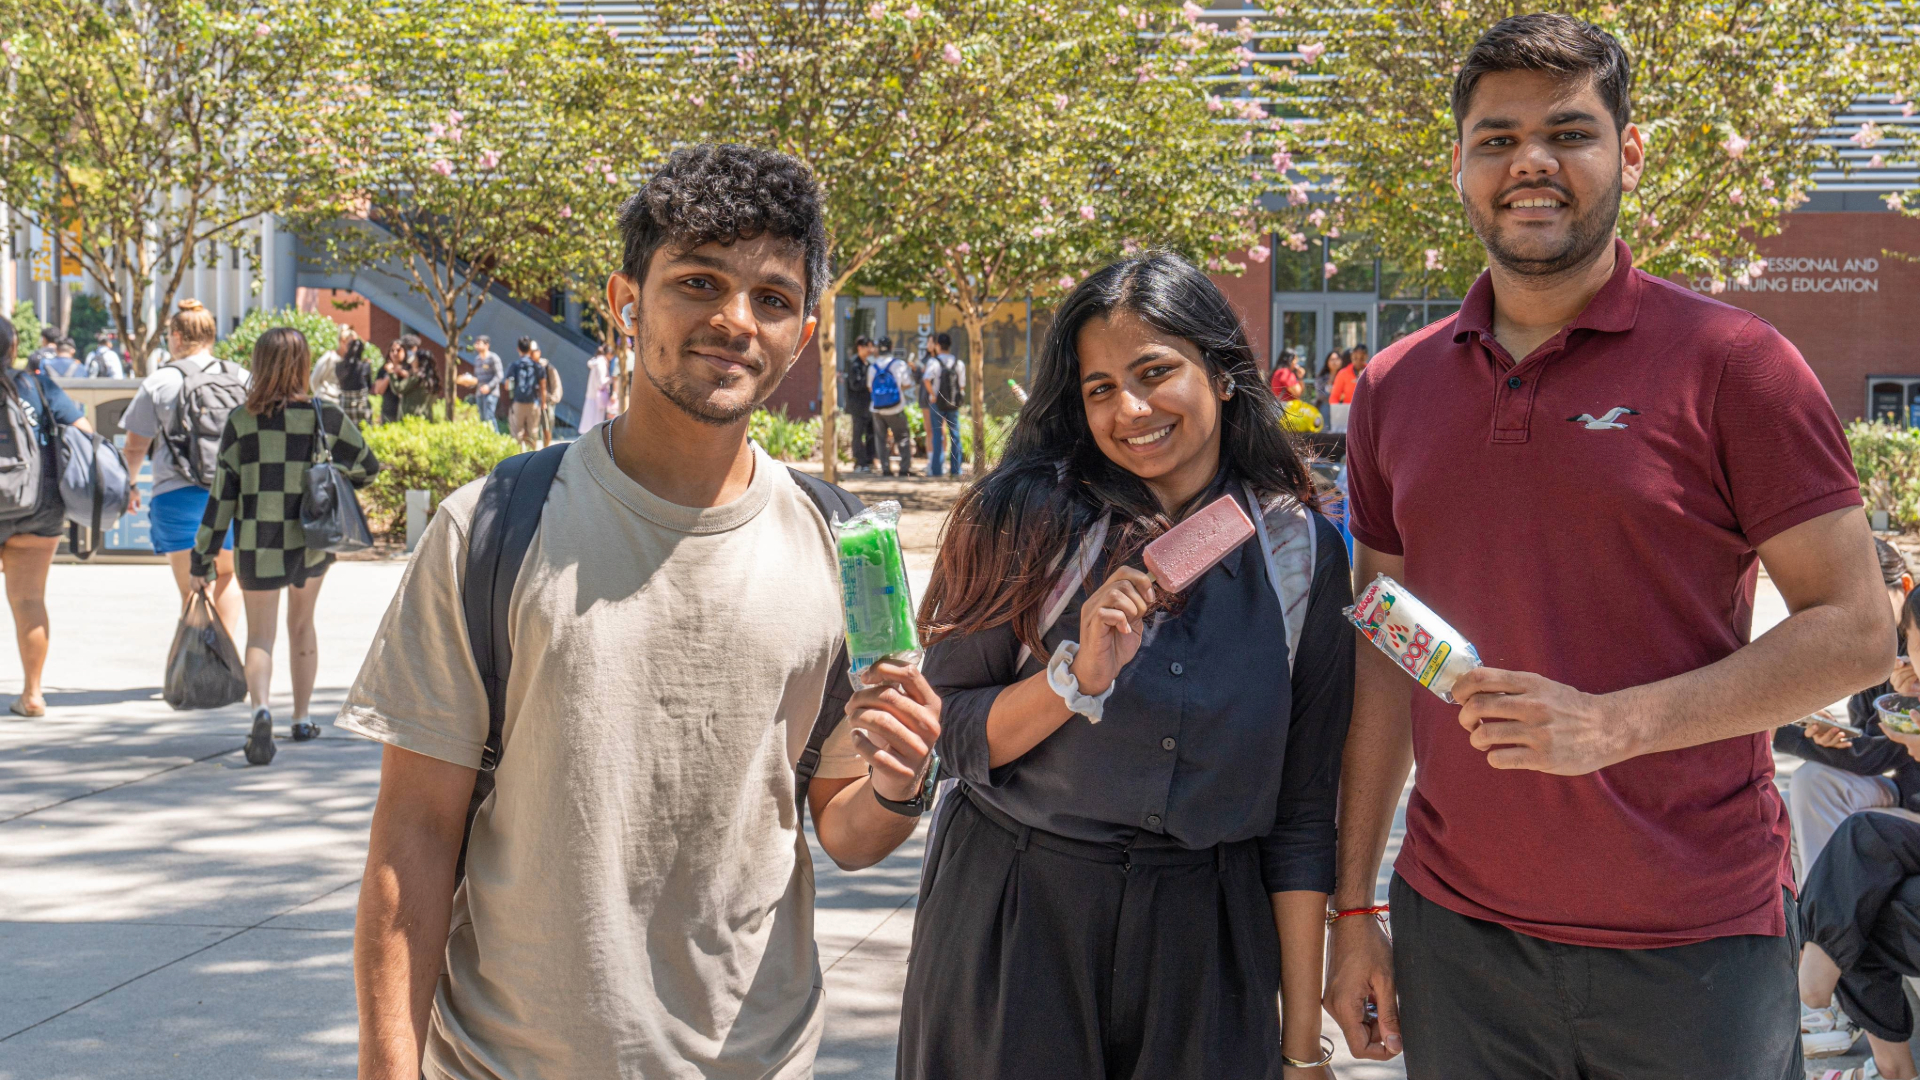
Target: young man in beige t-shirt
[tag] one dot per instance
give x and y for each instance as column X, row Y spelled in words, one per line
column 638, row 897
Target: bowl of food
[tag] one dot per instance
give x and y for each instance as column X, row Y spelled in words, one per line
column 1896, row 713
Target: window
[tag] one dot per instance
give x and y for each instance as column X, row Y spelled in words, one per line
column 1399, row 320
column 1298, row 271
column 1354, row 259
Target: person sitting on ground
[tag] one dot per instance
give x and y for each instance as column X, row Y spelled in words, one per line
column 258, row 489
column 27, row 542
column 1860, row 914
column 1841, row 773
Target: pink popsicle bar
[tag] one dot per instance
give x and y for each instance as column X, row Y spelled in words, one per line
column 1192, row 547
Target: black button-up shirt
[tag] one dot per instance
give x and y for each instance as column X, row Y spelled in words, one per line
column 1208, row 738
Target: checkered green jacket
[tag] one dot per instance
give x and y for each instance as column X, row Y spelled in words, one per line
column 258, row 485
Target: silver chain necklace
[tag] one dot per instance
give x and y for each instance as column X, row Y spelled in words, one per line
column 608, row 425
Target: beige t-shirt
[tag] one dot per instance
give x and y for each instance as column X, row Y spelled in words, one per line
column 639, row 897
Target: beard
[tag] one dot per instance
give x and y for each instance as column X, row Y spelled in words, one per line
column 1589, row 232
column 694, row 397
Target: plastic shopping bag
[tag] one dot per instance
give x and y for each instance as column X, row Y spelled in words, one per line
column 204, row 670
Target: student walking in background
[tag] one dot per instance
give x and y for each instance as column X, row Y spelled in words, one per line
column 264, row 454
column 33, row 407
column 593, row 402
column 945, row 383
column 1323, row 382
column 488, row 374
column 859, row 402
column 1340, row 394
column 178, row 414
column 104, row 361
column 417, row 384
column 1137, row 858
column 353, row 374
column 890, row 381
column 325, row 380
column 527, row 384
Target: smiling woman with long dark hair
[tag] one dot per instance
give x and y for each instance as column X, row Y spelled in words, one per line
column 1141, row 842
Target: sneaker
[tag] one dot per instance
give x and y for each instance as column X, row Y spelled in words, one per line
column 260, row 740
column 304, row 730
column 1827, row 1032
column 1868, row 1071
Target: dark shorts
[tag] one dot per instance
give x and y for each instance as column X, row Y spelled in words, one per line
column 1478, row 1000
column 47, row 519
column 1037, row 957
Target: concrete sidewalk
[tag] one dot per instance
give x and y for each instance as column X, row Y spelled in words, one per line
column 168, row 912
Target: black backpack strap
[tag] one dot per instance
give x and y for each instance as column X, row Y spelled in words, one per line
column 502, row 529
column 829, row 499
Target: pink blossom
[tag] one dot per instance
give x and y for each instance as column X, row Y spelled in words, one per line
column 699, row 101
column 443, row 167
column 1895, row 203
column 489, row 158
column 456, row 118
column 1250, row 109
column 1121, row 11
column 1060, row 102
column 1906, row 109
column 1088, row 213
column 436, row 131
column 1717, row 287
column 1214, row 104
column 1243, row 29
column 1282, row 161
column 1766, row 183
column 1737, row 197
column 1297, row 195
column 1297, row 241
column 1140, row 21
column 262, row 30
column 613, row 33
column 1734, row 145
column 566, row 211
column 1756, row 267
column 876, row 11
column 1243, row 56
column 963, row 247
column 1259, row 252
column 1192, row 11
column 1330, row 269
column 1433, row 259
column 951, row 54
column 913, row 11
column 1317, row 218
column 1311, row 51
column 1066, row 282
column 1742, row 280
column 743, row 59
column 1867, row 136
column 1876, row 162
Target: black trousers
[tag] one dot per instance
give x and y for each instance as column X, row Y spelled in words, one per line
column 1036, row 957
column 1861, row 905
column 862, row 414
column 893, row 428
column 1478, row 1000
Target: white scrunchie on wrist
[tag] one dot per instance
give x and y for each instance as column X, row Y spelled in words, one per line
column 1061, row 680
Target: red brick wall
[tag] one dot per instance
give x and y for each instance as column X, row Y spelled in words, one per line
column 1251, row 294
column 1846, row 336
column 374, row 325
column 800, row 393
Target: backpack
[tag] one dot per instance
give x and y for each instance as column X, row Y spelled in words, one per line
column 199, row 417
column 526, row 376
column 502, row 529
column 353, row 374
column 20, row 452
column 947, row 389
column 886, row 388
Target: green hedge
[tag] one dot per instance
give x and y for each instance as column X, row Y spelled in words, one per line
column 437, row 457
column 1888, row 460
column 321, row 333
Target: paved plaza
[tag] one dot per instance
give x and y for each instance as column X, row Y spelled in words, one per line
column 168, row 912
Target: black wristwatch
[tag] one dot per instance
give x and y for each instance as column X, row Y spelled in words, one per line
column 921, row 800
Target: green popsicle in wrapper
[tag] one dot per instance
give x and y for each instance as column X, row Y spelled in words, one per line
column 874, row 591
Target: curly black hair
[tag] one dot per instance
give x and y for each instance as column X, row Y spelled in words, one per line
column 724, row 193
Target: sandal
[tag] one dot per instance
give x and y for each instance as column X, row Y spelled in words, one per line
column 21, row 708
column 1869, row 1071
column 1827, row 1032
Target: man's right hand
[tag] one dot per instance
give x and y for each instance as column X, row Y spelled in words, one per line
column 1360, row 959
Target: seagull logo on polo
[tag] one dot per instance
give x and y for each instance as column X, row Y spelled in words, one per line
column 1608, row 422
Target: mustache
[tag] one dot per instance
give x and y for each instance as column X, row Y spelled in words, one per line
column 1501, row 199
column 722, row 347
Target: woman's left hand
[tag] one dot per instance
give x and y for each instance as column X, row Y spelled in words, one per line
column 1308, row 1072
column 895, row 720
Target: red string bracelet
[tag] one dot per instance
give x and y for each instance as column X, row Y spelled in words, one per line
column 1378, row 911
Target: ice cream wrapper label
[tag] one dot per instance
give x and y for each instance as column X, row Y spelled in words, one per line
column 874, row 592
column 1422, row 643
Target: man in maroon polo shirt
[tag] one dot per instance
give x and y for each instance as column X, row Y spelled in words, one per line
column 1580, row 470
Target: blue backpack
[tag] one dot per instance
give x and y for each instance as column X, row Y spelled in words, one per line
column 886, row 388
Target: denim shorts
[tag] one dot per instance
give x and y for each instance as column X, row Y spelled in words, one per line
column 173, row 519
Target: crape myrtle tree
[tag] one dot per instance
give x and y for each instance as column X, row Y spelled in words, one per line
column 876, row 96
column 1737, row 102
column 149, row 131
column 482, row 142
column 1130, row 137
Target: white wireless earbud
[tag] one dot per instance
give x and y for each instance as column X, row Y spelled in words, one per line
column 626, row 317
column 1456, row 183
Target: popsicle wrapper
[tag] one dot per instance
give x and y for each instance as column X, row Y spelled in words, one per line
column 1422, row 643
column 874, row 592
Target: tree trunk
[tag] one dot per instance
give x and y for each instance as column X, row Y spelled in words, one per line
column 449, row 368
column 829, row 384
column 976, row 323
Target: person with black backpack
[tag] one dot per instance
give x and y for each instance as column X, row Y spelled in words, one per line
column 32, row 513
column 859, row 402
column 178, row 414
column 946, row 381
column 615, row 676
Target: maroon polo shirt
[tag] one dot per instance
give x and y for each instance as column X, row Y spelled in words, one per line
column 1590, row 513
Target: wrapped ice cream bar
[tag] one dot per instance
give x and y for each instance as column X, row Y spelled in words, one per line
column 1196, row 545
column 1422, row 643
column 874, row 592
